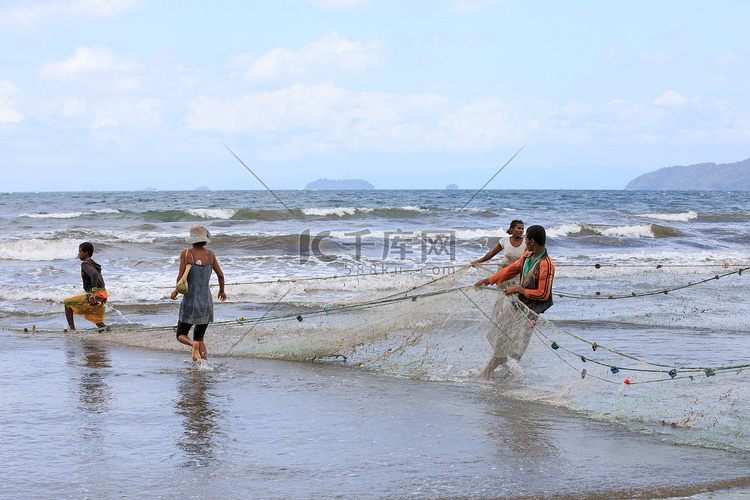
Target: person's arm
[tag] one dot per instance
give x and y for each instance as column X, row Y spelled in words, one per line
column 183, row 265
column 507, row 273
column 503, row 275
column 490, row 254
column 544, row 288
column 219, row 274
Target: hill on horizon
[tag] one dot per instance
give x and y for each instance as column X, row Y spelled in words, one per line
column 699, row 177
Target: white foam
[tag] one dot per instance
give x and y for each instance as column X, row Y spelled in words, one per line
column 340, row 211
column 67, row 215
column 462, row 234
column 682, row 258
column 469, row 234
column 212, row 213
column 204, row 365
column 39, row 250
column 682, row 217
column 485, row 209
column 640, row 231
column 564, row 230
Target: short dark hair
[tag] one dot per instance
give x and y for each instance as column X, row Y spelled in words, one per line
column 513, row 224
column 538, row 234
column 87, row 247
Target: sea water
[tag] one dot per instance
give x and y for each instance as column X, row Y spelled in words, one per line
column 90, row 417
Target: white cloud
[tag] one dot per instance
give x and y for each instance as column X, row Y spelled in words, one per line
column 140, row 113
column 481, row 125
column 7, row 113
column 311, row 119
column 86, row 60
column 670, row 98
column 27, row 16
column 466, row 6
column 305, row 120
column 328, row 56
column 613, row 52
column 659, row 59
column 101, row 8
column 74, row 107
column 729, row 60
column 680, row 36
column 339, row 4
column 720, row 79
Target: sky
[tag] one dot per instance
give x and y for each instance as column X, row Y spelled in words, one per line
column 100, row 95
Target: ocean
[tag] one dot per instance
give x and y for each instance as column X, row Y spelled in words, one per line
column 345, row 362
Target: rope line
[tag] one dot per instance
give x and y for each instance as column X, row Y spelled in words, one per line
column 683, row 371
column 647, row 293
column 665, row 291
column 335, row 276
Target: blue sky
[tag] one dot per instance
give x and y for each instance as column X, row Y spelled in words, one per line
column 129, row 94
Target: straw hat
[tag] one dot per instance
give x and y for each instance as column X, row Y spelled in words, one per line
column 198, row 234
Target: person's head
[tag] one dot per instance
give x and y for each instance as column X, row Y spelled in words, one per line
column 537, row 235
column 516, row 228
column 85, row 250
column 199, row 235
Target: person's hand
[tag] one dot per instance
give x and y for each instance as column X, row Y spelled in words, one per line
column 92, row 300
column 514, row 289
column 222, row 296
column 484, row 282
column 174, row 295
column 474, row 263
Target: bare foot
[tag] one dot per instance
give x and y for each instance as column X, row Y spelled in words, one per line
column 204, row 352
column 196, row 350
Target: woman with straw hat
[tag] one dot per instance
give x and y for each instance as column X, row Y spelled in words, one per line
column 197, row 307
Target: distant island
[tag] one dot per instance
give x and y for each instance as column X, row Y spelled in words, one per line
column 699, row 177
column 339, row 184
column 451, row 186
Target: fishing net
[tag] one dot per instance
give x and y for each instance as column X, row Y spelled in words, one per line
column 678, row 381
column 649, row 348
column 415, row 324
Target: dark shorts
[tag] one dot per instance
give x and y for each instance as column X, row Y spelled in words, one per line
column 184, row 329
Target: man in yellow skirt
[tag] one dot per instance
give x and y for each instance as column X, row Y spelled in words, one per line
column 91, row 305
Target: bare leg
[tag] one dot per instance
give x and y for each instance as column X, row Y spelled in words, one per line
column 185, row 340
column 69, row 317
column 493, row 363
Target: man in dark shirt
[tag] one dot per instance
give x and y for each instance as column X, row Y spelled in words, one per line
column 91, row 305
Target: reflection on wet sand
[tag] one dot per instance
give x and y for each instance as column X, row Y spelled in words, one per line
column 199, row 416
column 522, row 431
column 94, row 393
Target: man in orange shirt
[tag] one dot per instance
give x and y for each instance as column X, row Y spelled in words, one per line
column 535, row 290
